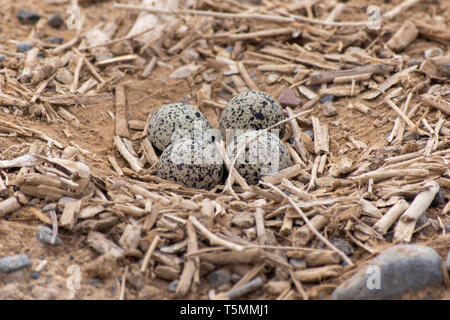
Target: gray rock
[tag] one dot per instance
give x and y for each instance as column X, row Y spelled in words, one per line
column 27, row 16
column 44, row 235
column 310, row 133
column 400, row 268
column 298, row 264
column 13, row 263
column 136, row 280
column 56, row 20
column 218, row 278
column 447, row 227
column 327, row 98
column 24, row 47
column 173, row 286
column 342, row 245
column 235, row 278
column 2, row 58
column 55, row 40
column 48, row 207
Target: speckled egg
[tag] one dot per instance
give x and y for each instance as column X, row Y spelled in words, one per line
column 176, row 121
column 192, row 163
column 264, row 155
column 251, row 110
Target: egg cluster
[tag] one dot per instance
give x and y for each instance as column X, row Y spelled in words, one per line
column 187, row 141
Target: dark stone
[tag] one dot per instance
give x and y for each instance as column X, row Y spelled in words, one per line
column 56, row 20
column 415, row 62
column 447, row 227
column 2, row 58
column 95, row 282
column 35, row 275
column 136, row 280
column 218, row 278
column 391, row 274
column 24, row 47
column 235, row 278
column 28, row 17
column 229, row 49
column 310, row 133
column 327, row 98
column 173, row 286
column 439, row 199
column 55, row 40
column 342, row 245
column 48, row 207
column 384, row 54
column 13, row 263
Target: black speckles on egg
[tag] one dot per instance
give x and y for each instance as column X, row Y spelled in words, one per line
column 192, row 163
column 265, row 155
column 251, row 110
column 175, row 121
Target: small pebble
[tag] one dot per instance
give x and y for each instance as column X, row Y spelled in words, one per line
column 447, row 227
column 55, row 40
column 13, row 263
column 136, row 280
column 328, row 109
column 310, row 133
column 24, row 47
column 2, row 58
column 173, row 286
column 439, row 199
column 48, row 207
column 27, row 16
column 298, row 263
column 44, row 235
column 288, row 98
column 34, row 201
column 56, row 20
column 35, row 275
column 235, row 278
column 415, row 62
column 395, row 271
column 95, row 282
column 384, row 54
column 229, row 49
column 224, row 94
column 342, row 245
column 327, row 98
column 218, row 278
